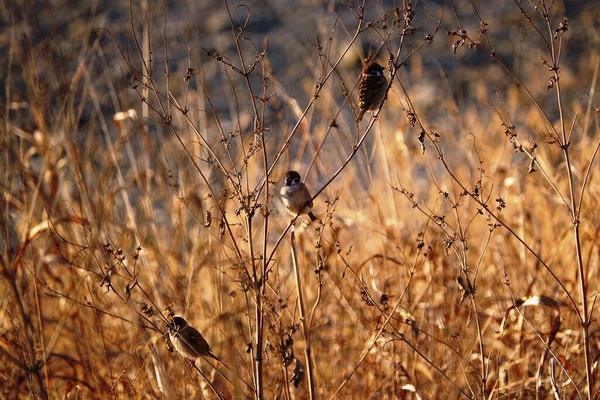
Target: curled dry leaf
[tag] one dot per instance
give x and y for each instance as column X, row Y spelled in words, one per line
column 121, row 116
column 411, row 388
column 541, row 300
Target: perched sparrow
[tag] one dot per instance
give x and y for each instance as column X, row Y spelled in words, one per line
column 188, row 341
column 296, row 197
column 371, row 91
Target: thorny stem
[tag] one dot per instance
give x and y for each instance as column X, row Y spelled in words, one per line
column 258, row 281
column 303, row 322
column 484, row 374
column 575, row 216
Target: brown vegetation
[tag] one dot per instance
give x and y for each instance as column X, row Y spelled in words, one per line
column 456, row 252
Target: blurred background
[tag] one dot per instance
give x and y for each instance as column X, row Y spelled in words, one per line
column 135, row 152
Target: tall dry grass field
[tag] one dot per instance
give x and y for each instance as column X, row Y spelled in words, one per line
column 144, row 146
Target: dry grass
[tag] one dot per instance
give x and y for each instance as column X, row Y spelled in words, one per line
column 135, row 188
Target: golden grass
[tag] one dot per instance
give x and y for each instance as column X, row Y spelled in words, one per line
column 117, row 219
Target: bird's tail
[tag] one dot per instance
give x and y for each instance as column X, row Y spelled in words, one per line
column 211, row 354
column 360, row 116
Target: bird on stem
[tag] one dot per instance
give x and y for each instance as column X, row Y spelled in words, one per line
column 188, row 341
column 372, row 89
column 296, row 197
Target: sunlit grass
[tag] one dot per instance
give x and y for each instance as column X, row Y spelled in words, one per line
column 452, row 210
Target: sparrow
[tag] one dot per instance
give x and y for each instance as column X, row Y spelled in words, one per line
column 188, row 341
column 296, row 197
column 371, row 90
